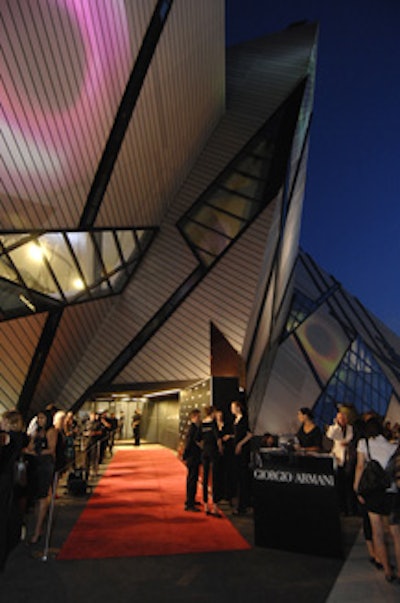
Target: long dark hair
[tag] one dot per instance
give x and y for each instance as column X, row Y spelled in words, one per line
column 49, row 418
column 307, row 412
column 373, row 428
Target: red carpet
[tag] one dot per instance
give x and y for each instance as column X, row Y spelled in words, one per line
column 137, row 509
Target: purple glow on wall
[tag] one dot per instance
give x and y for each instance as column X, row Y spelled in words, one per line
column 39, row 118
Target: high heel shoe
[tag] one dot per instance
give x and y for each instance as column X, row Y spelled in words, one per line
column 390, row 578
column 376, row 563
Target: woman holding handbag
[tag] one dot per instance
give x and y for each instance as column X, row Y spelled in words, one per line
column 383, row 502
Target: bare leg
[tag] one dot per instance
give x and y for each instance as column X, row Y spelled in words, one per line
column 378, row 536
column 43, row 505
column 395, row 533
column 371, row 552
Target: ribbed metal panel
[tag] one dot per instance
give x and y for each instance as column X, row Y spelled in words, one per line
column 181, row 348
column 78, row 326
column 18, row 339
column 180, row 103
column 65, row 68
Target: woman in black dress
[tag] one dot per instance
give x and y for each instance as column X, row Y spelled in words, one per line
column 309, row 435
column 42, row 452
column 241, row 438
column 211, row 452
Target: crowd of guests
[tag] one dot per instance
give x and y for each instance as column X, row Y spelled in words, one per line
column 222, row 450
column 354, row 440
column 34, row 457
column 221, row 446
column 218, row 447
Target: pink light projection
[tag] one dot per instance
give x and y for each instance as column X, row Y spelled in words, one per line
column 52, row 41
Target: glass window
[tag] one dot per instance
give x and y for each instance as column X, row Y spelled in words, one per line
column 238, row 206
column 352, row 384
column 108, row 250
column 206, row 239
column 127, row 243
column 30, row 261
column 62, row 263
column 244, row 185
column 6, row 270
column 85, row 255
column 219, row 221
column 67, row 266
column 254, row 166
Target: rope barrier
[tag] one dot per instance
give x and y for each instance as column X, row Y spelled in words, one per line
column 96, row 445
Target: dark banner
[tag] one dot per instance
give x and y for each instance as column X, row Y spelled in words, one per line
column 295, row 504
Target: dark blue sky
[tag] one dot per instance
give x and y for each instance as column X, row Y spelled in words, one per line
column 351, row 216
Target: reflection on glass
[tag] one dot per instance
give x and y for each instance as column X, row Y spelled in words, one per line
column 11, row 239
column 256, row 174
column 127, row 244
column 238, row 206
column 264, row 148
column 359, row 381
column 117, row 280
column 62, row 263
column 206, row 258
column 6, row 271
column 108, row 249
column 31, row 264
column 220, row 221
column 206, row 239
column 84, row 252
column 244, row 185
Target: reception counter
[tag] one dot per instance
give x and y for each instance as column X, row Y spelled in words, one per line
column 295, row 503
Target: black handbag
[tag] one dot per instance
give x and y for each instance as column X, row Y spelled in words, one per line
column 374, row 478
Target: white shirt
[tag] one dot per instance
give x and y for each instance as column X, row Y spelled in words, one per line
column 380, row 449
column 335, row 433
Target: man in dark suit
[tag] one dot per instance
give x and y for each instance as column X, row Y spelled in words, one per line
column 192, row 458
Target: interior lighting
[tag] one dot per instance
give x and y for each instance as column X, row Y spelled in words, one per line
column 27, row 303
column 35, row 252
column 78, row 284
column 162, row 393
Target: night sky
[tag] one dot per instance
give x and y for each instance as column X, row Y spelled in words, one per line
column 351, row 215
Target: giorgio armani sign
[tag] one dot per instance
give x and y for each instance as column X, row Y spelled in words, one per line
column 290, row 476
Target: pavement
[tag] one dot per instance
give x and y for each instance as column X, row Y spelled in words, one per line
column 253, row 576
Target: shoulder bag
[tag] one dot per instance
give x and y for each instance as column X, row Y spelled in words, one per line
column 374, row 478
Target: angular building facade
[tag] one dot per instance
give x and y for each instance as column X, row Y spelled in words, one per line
column 333, row 353
column 152, row 190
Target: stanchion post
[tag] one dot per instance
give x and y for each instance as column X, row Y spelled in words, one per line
column 97, row 461
column 50, row 518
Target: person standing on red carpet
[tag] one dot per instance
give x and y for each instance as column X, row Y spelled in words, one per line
column 192, row 458
column 241, row 438
column 212, row 450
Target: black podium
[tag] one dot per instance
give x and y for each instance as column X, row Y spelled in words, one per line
column 295, row 503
